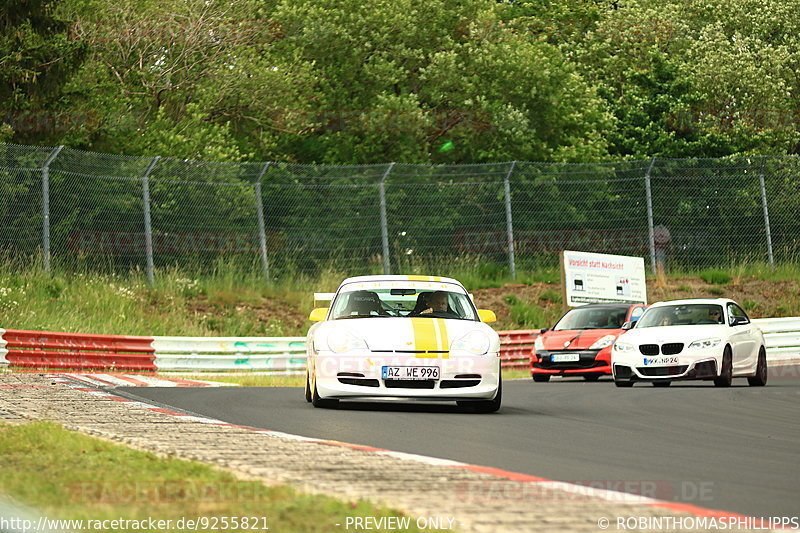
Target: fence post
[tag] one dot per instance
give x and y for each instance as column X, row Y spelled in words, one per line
column 46, row 206
column 148, row 229
column 766, row 212
column 509, row 222
column 387, row 266
column 262, row 232
column 650, row 232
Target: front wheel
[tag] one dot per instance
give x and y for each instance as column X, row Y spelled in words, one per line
column 484, row 406
column 308, row 388
column 726, row 372
column 625, row 384
column 760, row 379
column 316, row 401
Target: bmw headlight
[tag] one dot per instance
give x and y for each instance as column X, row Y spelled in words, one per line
column 475, row 343
column 623, row 347
column 602, row 342
column 705, row 343
column 340, row 341
column 538, row 344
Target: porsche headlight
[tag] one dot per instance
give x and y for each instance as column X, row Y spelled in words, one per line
column 705, row 343
column 340, row 341
column 475, row 343
column 623, row 347
column 602, row 342
column 538, row 344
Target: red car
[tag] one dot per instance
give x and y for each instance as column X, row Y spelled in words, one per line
column 580, row 342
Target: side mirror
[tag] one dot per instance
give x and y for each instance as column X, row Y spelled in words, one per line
column 318, row 314
column 628, row 325
column 544, row 330
column 487, row 315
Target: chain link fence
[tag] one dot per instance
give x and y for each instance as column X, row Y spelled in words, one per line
column 68, row 207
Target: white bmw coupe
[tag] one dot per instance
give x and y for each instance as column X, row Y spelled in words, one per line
column 709, row 339
column 407, row 337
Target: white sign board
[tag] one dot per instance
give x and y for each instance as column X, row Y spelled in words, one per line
column 602, row 278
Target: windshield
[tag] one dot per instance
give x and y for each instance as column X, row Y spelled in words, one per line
column 593, row 318
column 681, row 315
column 403, row 301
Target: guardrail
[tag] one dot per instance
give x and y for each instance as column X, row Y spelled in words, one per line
column 48, row 349
column 515, row 347
column 3, row 351
column 230, row 353
column 45, row 349
column 781, row 336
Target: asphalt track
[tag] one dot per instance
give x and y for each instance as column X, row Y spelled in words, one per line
column 734, row 449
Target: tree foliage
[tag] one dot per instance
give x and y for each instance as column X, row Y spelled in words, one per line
column 441, row 81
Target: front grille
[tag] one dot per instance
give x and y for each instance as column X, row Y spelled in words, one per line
column 658, row 371
column 409, row 383
column 458, row 383
column 649, row 349
column 586, row 360
column 671, row 348
column 361, row 382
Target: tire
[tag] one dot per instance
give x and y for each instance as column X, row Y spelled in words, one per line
column 308, row 388
column 726, row 372
column 626, row 384
column 662, row 383
column 591, row 377
column 541, row 378
column 760, row 379
column 326, row 403
column 484, row 406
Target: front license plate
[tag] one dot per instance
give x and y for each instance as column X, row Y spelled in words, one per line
column 565, row 357
column 660, row 361
column 410, row 372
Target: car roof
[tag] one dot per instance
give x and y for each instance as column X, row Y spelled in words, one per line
column 620, row 305
column 687, row 301
column 399, row 277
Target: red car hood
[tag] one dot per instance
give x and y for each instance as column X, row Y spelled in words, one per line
column 570, row 339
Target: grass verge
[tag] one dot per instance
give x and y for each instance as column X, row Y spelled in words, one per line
column 64, row 474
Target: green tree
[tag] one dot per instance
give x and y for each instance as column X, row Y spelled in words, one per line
column 37, row 57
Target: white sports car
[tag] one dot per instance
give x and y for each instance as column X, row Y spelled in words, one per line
column 710, row 339
column 409, row 337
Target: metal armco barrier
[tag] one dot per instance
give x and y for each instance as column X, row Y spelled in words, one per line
column 3, row 351
column 43, row 349
column 515, row 347
column 230, row 353
column 782, row 337
column 47, row 349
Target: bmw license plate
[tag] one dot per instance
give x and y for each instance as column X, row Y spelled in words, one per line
column 660, row 361
column 565, row 357
column 410, row 372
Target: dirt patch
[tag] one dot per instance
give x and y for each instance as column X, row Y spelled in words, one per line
column 761, row 299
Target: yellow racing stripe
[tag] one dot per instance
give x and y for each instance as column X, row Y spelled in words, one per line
column 430, row 334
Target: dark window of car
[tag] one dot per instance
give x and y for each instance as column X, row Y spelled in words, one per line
column 681, row 315
column 737, row 312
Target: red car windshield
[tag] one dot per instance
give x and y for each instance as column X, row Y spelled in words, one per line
column 593, row 318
